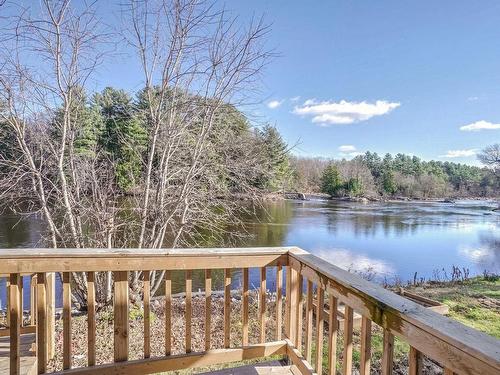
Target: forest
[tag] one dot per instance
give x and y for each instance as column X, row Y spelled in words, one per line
column 405, row 176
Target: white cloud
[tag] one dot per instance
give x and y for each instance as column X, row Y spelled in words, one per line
column 343, row 112
column 479, row 125
column 295, row 99
column 347, row 148
column 273, row 104
column 459, row 153
column 473, row 98
column 352, row 261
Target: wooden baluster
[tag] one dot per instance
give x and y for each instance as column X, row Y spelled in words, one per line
column 147, row 312
column 262, row 304
column 21, row 299
column 300, row 313
column 227, row 308
column 50, row 282
column 121, row 313
column 288, row 287
column 332, row 335
column 41, row 326
column 7, row 289
column 319, row 330
column 208, row 308
column 279, row 301
column 66, row 320
column 189, row 289
column 388, row 353
column 33, row 300
column 244, row 311
column 91, row 325
column 415, row 362
column 16, row 317
column 292, row 296
column 348, row 325
column 168, row 312
column 309, row 321
column 366, row 346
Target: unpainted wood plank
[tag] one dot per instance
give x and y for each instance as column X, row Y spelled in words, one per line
column 262, row 304
column 147, row 313
column 121, row 313
column 303, row 366
column 41, row 332
column 91, row 319
column 16, row 317
column 66, row 320
column 288, row 287
column 319, row 330
column 332, row 335
column 168, row 312
column 436, row 336
column 183, row 361
column 388, row 353
column 300, row 313
column 348, row 344
column 227, row 308
column 293, row 306
column 208, row 308
column 189, row 310
column 447, row 371
column 366, row 346
column 279, row 302
column 415, row 366
column 309, row 321
column 33, row 300
column 244, row 310
column 111, row 261
column 51, row 314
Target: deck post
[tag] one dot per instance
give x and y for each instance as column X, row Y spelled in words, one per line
column 16, row 317
column 51, row 314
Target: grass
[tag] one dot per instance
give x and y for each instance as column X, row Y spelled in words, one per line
column 475, row 302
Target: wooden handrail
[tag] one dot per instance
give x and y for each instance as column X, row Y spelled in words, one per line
column 457, row 347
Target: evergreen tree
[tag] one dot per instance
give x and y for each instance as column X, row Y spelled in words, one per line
column 331, row 182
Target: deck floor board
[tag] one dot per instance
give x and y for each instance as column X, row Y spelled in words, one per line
column 28, row 358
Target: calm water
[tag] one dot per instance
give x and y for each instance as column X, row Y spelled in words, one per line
column 392, row 240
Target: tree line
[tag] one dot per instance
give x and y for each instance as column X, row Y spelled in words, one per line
column 399, row 176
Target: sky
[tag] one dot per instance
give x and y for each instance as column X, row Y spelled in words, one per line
column 416, row 77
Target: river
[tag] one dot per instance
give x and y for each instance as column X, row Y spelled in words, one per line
column 389, row 241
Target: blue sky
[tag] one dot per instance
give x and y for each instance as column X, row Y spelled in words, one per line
column 435, row 64
column 386, row 76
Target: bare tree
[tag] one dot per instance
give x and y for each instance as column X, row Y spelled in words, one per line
column 196, row 64
column 490, row 156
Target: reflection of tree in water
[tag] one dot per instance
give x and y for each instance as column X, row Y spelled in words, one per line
column 18, row 231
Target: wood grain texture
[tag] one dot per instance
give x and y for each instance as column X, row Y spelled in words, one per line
column 309, row 321
column 452, row 344
column 189, row 310
column 41, row 332
column 227, row 308
column 415, row 366
column 168, row 312
column 147, row 312
column 388, row 353
column 366, row 346
column 279, row 302
column 208, row 308
column 15, row 323
column 332, row 335
column 67, row 355
column 121, row 313
column 300, row 313
column 319, row 330
column 262, row 304
column 244, row 310
column 348, row 344
column 91, row 321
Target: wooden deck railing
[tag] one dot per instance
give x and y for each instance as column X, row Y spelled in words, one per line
column 303, row 333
